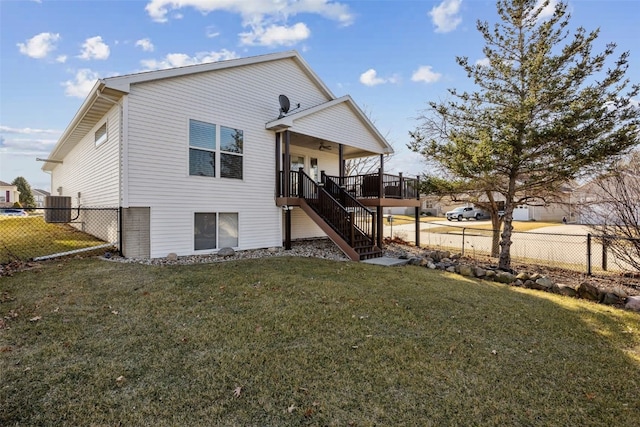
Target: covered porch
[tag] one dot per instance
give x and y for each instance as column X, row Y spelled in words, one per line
column 311, row 158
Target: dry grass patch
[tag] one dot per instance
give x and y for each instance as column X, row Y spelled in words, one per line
column 30, row 237
column 294, row 341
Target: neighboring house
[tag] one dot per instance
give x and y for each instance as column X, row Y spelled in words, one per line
column 210, row 156
column 9, row 194
column 39, row 197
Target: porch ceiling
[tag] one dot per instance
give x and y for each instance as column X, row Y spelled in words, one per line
column 319, row 144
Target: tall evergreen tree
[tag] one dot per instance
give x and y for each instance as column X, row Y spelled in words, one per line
column 546, row 111
column 26, row 196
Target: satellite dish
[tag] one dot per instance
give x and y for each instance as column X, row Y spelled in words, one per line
column 284, row 104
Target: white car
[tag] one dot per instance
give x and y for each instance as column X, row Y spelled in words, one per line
column 465, row 212
column 13, row 212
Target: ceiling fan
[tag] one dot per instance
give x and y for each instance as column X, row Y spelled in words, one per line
column 324, row 147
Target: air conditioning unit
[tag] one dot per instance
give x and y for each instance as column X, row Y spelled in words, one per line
column 57, row 209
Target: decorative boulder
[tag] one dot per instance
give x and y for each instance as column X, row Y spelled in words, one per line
column 479, row 272
column 505, row 277
column 544, row 284
column 611, row 299
column 465, row 270
column 564, row 290
column 490, row 275
column 172, row 256
column 633, row 303
column 225, row 252
column 523, row 276
column 588, row 291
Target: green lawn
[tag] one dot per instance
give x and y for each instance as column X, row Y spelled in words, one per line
column 300, row 341
column 30, row 237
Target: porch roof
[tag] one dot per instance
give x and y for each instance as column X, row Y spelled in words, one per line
column 340, row 121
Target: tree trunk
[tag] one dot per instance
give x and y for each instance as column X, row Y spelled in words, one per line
column 504, row 262
column 495, row 240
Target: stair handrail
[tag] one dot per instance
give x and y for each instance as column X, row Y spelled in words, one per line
column 365, row 219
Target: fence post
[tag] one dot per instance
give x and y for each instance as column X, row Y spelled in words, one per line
column 605, row 244
column 463, row 229
column 589, row 254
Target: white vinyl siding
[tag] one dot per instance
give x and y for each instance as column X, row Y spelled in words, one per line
column 92, row 171
column 238, row 98
column 338, row 124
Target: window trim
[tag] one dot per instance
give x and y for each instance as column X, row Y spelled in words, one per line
column 217, row 243
column 218, row 152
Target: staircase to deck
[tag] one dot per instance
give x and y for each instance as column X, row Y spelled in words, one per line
column 347, row 222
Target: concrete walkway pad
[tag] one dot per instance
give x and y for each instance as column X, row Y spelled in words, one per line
column 386, row 261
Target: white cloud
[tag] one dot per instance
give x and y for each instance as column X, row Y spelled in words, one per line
column 211, row 32
column 182, row 59
column 254, row 11
column 94, row 48
column 31, row 145
column 61, row 59
column 145, row 44
column 275, row 35
column 80, row 87
column 484, row 62
column 39, row 46
column 445, row 16
column 28, row 131
column 371, row 78
column 548, row 11
column 425, row 74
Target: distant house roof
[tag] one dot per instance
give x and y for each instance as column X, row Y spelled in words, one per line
column 42, row 192
column 6, row 184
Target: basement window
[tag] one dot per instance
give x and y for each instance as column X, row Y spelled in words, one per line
column 101, row 134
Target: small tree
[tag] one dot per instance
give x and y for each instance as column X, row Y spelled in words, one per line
column 614, row 211
column 547, row 111
column 26, row 196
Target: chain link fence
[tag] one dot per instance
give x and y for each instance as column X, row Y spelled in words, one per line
column 51, row 232
column 585, row 253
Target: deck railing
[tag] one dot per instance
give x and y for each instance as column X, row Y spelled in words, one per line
column 379, row 186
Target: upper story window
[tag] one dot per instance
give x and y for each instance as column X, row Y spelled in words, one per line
column 231, row 146
column 210, row 144
column 101, row 134
column 202, row 148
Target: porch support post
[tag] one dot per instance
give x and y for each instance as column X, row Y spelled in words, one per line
column 381, row 163
column 341, row 161
column 279, row 191
column 287, row 163
column 287, row 228
column 380, row 219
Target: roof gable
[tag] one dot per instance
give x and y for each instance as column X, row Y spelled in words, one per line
column 326, row 114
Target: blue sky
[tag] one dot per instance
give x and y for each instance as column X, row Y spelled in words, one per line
column 390, row 56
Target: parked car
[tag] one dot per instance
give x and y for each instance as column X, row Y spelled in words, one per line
column 466, row 212
column 13, row 212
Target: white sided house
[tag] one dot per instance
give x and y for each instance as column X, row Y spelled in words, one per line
column 247, row 153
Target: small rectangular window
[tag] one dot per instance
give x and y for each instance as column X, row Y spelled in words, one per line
column 204, row 231
column 228, row 236
column 202, row 146
column 101, row 134
column 215, row 230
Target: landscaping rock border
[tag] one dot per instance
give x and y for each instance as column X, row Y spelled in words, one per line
column 455, row 263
